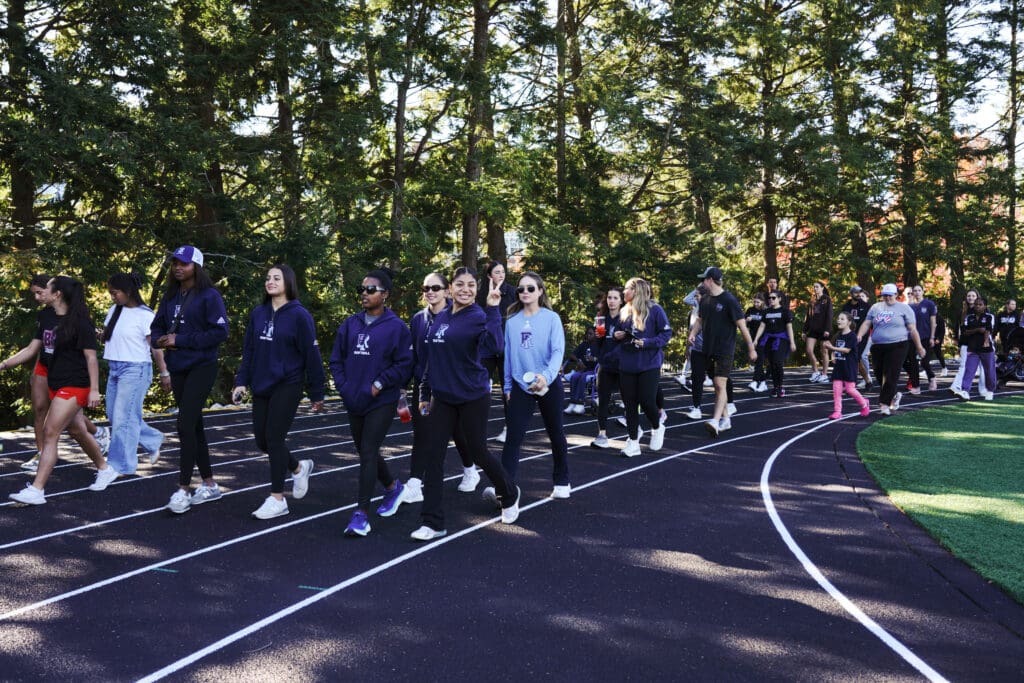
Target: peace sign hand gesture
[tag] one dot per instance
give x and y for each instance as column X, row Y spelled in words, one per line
column 494, row 294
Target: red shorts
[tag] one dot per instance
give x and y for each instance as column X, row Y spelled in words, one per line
column 80, row 394
column 40, row 370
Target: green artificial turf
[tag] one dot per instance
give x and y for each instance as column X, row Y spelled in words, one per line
column 958, row 471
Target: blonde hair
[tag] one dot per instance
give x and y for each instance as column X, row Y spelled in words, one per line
column 640, row 307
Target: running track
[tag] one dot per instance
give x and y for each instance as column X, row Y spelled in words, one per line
column 768, row 554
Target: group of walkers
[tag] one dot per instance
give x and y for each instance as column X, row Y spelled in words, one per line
column 468, row 333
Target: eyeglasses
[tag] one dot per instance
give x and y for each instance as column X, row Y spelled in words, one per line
column 527, row 288
column 370, row 289
column 773, row 298
column 432, row 288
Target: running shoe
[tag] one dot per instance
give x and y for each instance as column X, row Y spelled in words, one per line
column 569, row 409
column 662, row 417
column 762, row 387
column 724, row 425
column 896, row 400
column 712, row 427
column 500, row 438
column 961, row 393
column 681, row 379
column 988, row 396
column 489, row 495
column 470, row 479
column 916, row 391
column 753, row 386
column 392, row 499
column 944, row 373
column 730, row 409
column 814, row 376
column 180, row 502
column 510, row 514
column 657, row 438
column 781, row 393
column 154, row 456
column 862, row 384
column 632, row 448
column 359, row 525
column 204, row 494
column 579, row 409
column 103, row 478
column 32, row 464
column 425, row 533
column 560, row 492
column 865, row 410
column 835, row 416
column 600, row 441
column 932, row 385
column 300, row 479
column 272, row 507
column 884, row 409
column 413, row 491
column 708, row 382
column 694, row 413
column 621, row 419
column 29, row 495
column 824, row 379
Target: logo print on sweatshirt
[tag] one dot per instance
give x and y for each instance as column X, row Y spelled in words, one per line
column 526, row 338
column 362, row 345
column 268, row 331
column 441, row 329
column 49, row 341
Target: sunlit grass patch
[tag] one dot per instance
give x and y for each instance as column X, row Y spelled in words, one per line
column 958, row 471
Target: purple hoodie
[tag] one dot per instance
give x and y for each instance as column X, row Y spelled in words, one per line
column 280, row 347
column 455, row 344
column 364, row 354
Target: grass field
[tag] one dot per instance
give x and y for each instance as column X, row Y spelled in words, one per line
column 958, row 471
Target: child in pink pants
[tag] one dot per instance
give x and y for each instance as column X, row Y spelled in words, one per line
column 844, row 367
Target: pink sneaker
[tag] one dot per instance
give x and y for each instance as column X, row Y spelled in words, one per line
column 835, row 416
column 865, row 410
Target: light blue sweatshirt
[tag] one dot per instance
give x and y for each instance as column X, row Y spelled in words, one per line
column 533, row 344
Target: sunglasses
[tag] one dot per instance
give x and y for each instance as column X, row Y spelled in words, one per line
column 773, row 298
column 527, row 288
column 371, row 289
column 432, row 288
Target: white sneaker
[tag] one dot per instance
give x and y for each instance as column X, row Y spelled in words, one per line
column 814, row 376
column 681, row 379
column 632, row 448
column 724, row 425
column 708, row 382
column 204, row 494
column 600, row 441
column 154, row 456
column 657, row 438
column 500, row 438
column 730, row 409
column 102, row 437
column 694, row 413
column 180, row 502
column 300, row 481
column 896, row 400
column 29, row 495
column 711, row 426
column 561, row 492
column 103, row 478
column 753, row 386
column 579, row 409
column 425, row 533
column 489, row 495
column 272, row 507
column 762, row 387
column 988, row 396
column 413, row 491
column 662, row 417
column 961, row 393
column 569, row 409
column 510, row 514
column 945, row 373
column 32, row 464
column 470, row 478
column 862, row 384
column 621, row 419
column 884, row 409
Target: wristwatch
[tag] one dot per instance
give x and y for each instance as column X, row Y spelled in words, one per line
column 376, row 383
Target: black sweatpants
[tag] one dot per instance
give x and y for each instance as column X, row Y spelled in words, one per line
column 191, row 388
column 368, row 433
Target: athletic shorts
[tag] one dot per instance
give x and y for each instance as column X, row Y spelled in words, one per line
column 815, row 335
column 720, row 365
column 40, row 370
column 79, row 394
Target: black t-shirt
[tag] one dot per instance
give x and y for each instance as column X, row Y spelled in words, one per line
column 1007, row 323
column 857, row 311
column 775, row 321
column 68, row 367
column 976, row 342
column 718, row 316
column 754, row 315
column 46, row 332
column 844, row 365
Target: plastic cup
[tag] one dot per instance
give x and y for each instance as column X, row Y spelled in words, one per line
column 403, row 411
column 599, row 326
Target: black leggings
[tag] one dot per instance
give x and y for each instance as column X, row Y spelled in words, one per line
column 607, row 382
column 191, row 388
column 887, row 360
column 699, row 369
column 418, row 459
column 496, row 371
column 368, row 433
column 777, row 363
column 272, row 417
column 640, row 389
column 439, row 425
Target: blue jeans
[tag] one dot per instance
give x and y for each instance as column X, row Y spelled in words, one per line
column 127, row 385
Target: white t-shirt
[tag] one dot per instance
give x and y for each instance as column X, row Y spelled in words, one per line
column 128, row 343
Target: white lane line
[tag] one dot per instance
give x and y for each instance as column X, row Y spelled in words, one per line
column 870, row 624
column 370, row 573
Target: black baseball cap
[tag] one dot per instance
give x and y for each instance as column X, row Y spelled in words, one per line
column 856, row 289
column 712, row 272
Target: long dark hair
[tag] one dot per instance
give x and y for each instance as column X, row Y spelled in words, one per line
column 39, row 280
column 291, row 283
column 129, row 283
column 73, row 294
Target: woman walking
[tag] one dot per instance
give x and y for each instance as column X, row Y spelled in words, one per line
column 280, row 356
column 979, row 331
column 370, row 363
column 966, row 308
column 456, row 393
column 608, row 360
column 818, row 326
column 534, row 346
column 129, row 356
column 645, row 332
column 435, row 294
column 73, row 380
column 190, row 325
column 754, row 316
column 775, row 340
column 892, row 326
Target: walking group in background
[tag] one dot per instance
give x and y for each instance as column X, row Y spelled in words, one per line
column 469, row 334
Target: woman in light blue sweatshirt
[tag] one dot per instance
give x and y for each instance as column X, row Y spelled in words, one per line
column 534, row 346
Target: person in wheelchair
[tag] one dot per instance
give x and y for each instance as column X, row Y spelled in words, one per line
column 580, row 369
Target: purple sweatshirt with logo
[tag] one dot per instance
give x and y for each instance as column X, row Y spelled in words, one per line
column 380, row 351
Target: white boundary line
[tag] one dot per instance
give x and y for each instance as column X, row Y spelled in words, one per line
column 870, row 624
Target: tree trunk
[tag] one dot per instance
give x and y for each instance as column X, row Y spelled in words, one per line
column 1011, row 151
column 23, row 186
column 478, row 94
